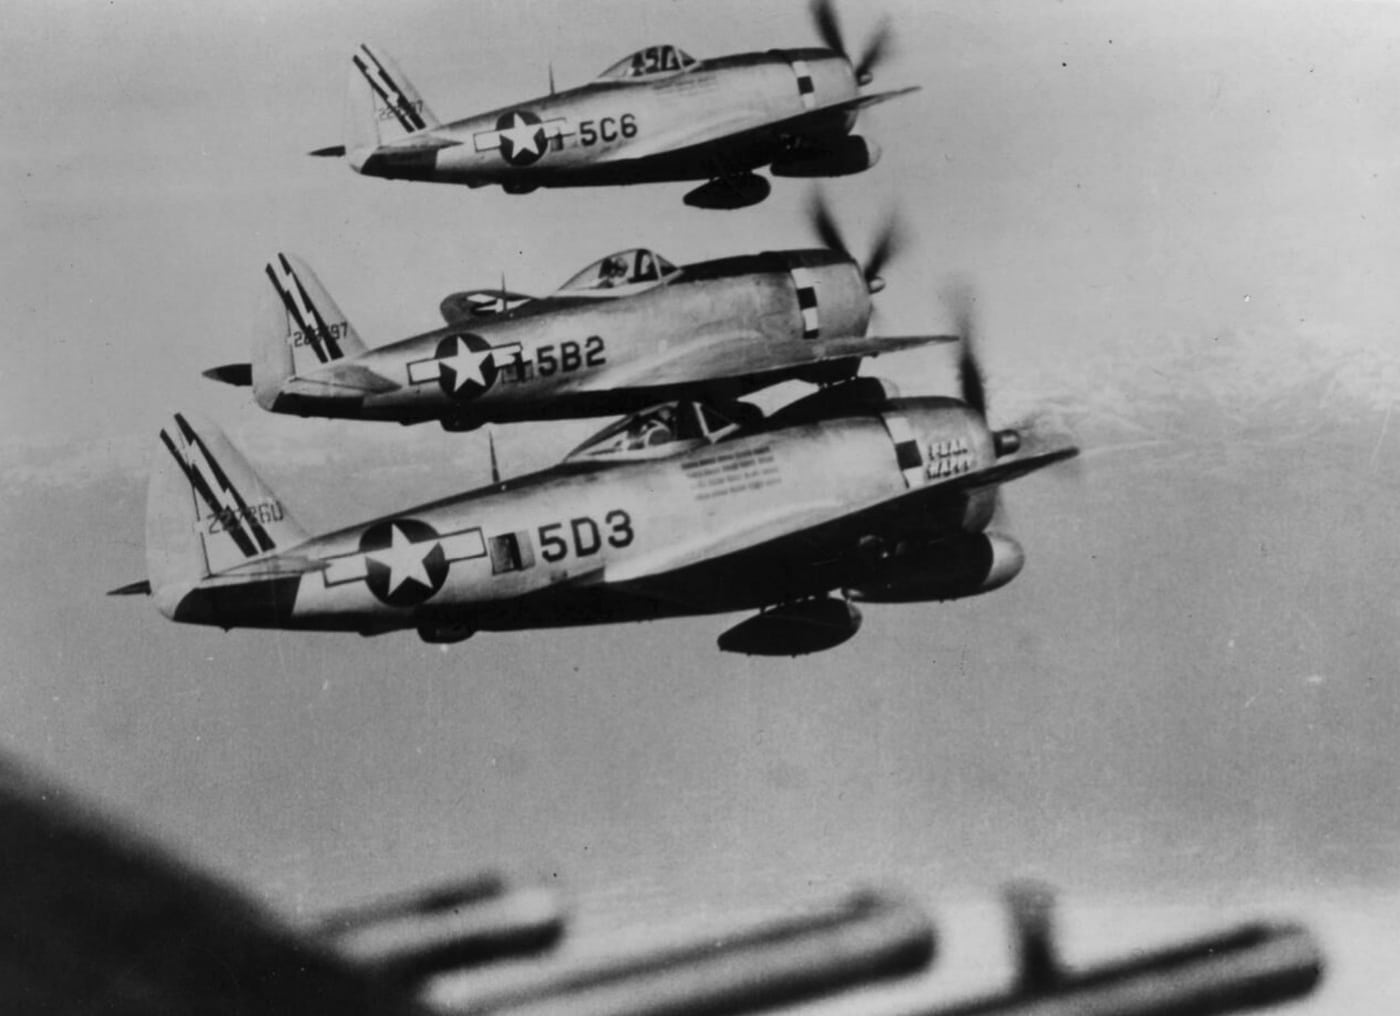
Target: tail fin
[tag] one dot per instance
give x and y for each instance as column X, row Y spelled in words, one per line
column 382, row 105
column 299, row 329
column 207, row 511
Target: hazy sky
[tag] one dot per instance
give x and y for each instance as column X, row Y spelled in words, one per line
column 1181, row 223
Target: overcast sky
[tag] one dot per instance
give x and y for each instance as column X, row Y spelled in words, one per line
column 1181, row 226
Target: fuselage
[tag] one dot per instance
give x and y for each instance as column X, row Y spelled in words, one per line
column 726, row 326
column 704, row 121
column 594, row 542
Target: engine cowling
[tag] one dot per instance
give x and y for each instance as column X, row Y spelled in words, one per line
column 945, row 571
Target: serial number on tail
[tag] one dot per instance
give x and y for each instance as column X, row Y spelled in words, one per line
column 314, row 336
column 263, row 512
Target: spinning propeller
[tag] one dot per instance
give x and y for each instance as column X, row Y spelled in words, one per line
column 829, row 28
column 1036, row 434
column 887, row 243
column 972, row 382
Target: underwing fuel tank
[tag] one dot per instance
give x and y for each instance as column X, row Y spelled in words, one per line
column 945, row 571
column 794, row 629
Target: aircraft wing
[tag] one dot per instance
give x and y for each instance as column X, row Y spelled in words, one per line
column 97, row 919
column 822, row 523
column 812, row 120
column 688, row 552
column 713, row 357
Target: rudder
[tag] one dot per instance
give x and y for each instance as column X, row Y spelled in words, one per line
column 382, row 106
column 300, row 328
column 207, row 511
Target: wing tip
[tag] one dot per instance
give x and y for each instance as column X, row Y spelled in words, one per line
column 329, row 152
column 141, row 588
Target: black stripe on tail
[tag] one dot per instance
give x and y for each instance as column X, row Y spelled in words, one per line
column 314, row 331
column 237, row 520
column 322, row 331
column 410, row 119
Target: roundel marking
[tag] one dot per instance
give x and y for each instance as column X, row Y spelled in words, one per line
column 466, row 366
column 404, row 561
column 523, row 137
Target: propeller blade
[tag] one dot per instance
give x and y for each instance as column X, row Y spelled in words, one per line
column 1031, row 907
column 824, row 16
column 875, row 51
column 889, row 244
column 825, row 225
column 972, row 383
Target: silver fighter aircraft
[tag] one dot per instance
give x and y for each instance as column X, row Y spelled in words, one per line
column 656, row 115
column 687, row 508
column 627, row 332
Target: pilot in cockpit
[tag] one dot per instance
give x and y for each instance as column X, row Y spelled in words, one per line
column 651, row 429
column 612, row 272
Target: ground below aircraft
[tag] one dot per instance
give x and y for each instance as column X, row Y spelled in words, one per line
column 656, row 115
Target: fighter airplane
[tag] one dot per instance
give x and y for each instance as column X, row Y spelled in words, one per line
column 656, row 115
column 629, row 331
column 687, row 508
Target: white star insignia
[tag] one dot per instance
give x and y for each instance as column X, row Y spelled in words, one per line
column 466, row 365
column 523, row 136
column 404, row 559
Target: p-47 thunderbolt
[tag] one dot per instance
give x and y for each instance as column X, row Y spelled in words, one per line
column 656, row 115
column 627, row 332
column 688, row 508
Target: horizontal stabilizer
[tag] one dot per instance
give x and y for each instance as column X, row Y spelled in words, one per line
column 426, row 143
column 340, row 380
column 142, row 588
column 330, row 151
column 240, row 375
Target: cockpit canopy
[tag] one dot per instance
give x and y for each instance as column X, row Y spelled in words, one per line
column 645, row 63
column 637, row 266
column 662, row 431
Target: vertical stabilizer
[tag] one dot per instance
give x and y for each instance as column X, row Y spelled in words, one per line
column 207, row 510
column 299, row 328
column 381, row 107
